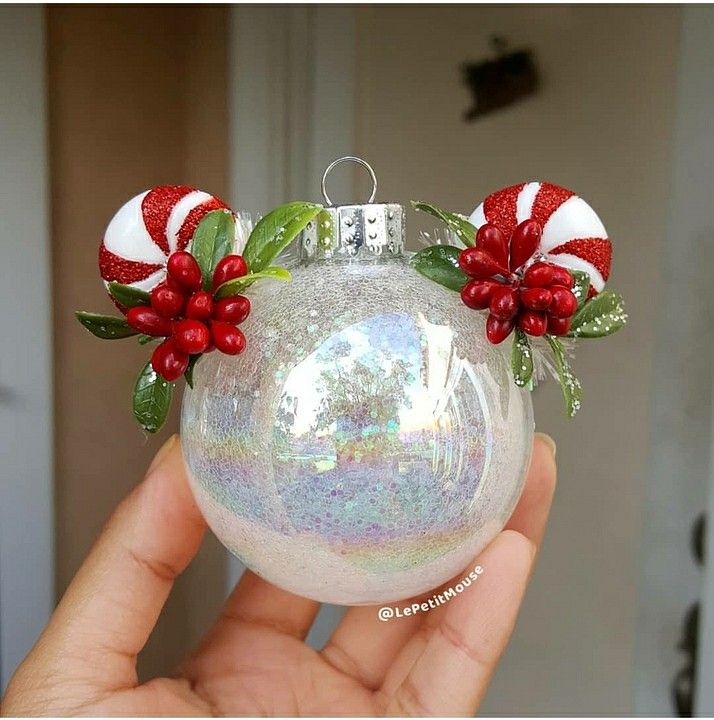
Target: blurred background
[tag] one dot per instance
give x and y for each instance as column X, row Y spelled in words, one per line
column 98, row 103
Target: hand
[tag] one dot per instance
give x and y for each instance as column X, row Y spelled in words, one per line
column 254, row 661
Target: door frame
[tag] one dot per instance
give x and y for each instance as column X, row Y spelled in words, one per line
column 292, row 96
column 291, row 101
column 26, row 407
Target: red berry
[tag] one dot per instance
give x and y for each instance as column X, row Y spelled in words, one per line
column 229, row 268
column 504, row 303
column 477, row 263
column 562, row 276
column 227, row 338
column 168, row 361
column 183, row 268
column 167, row 301
column 233, row 309
column 146, row 320
column 564, row 303
column 476, row 294
column 171, row 283
column 199, row 305
column 559, row 326
column 539, row 274
column 191, row 336
column 536, row 298
column 533, row 323
column 498, row 330
column 524, row 242
column 494, row 242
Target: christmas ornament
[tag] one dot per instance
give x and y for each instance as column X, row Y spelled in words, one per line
column 360, row 437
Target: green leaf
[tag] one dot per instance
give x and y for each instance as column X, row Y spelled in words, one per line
column 106, row 327
column 581, row 286
column 276, row 231
column 145, row 339
column 569, row 384
column 521, row 359
column 457, row 223
column 212, row 241
column 440, row 263
column 602, row 315
column 128, row 296
column 152, row 399
column 238, row 285
column 188, row 375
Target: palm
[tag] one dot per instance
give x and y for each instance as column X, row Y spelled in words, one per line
column 270, row 672
column 267, row 673
column 255, row 666
column 255, row 661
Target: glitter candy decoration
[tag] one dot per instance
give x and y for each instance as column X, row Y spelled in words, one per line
column 573, row 235
column 369, row 441
column 151, row 226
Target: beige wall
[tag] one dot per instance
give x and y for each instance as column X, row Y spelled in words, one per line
column 601, row 125
column 137, row 98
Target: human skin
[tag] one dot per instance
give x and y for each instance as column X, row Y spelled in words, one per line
column 254, row 660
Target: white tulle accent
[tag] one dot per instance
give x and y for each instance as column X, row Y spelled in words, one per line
column 439, row 236
column 244, row 226
column 543, row 365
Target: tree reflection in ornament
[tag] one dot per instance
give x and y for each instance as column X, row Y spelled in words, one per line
column 363, row 405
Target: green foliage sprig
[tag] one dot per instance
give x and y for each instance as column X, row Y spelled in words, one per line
column 596, row 316
column 212, row 240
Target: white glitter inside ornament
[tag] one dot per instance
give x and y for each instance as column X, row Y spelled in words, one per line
column 369, row 441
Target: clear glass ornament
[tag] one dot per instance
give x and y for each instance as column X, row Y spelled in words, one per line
column 369, row 441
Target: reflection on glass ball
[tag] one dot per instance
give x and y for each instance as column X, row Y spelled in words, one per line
column 367, row 444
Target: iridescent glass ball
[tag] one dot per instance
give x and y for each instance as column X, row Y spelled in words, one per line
column 369, row 441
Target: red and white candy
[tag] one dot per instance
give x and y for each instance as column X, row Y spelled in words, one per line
column 573, row 235
column 147, row 229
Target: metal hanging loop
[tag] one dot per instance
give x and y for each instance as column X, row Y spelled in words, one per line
column 349, row 158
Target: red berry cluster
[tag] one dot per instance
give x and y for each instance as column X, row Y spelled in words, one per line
column 190, row 319
column 535, row 296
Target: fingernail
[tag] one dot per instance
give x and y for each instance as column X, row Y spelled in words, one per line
column 165, row 450
column 548, row 441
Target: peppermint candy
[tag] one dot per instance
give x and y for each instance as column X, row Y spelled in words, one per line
column 573, row 235
column 149, row 228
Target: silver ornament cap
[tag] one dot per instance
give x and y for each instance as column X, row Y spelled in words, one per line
column 361, row 231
